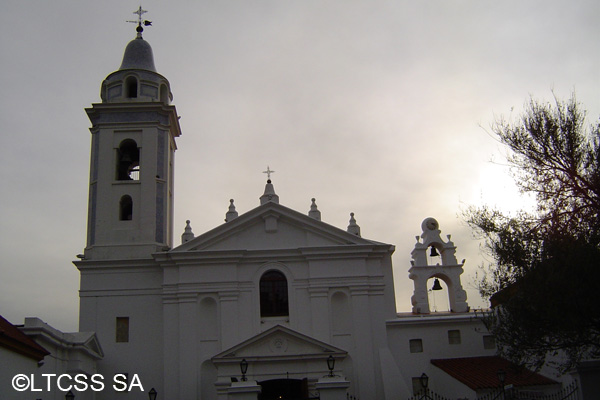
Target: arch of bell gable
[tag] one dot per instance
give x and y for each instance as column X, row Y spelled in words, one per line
column 443, row 277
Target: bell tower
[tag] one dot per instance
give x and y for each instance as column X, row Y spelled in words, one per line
column 130, row 207
column 448, row 271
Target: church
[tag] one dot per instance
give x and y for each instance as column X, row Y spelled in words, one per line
column 273, row 303
column 279, row 289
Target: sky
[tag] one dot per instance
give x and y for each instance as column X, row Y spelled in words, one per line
column 381, row 108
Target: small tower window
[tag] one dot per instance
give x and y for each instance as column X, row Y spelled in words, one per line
column 131, row 87
column 122, row 330
column 128, row 161
column 273, row 295
column 125, row 208
column 164, row 94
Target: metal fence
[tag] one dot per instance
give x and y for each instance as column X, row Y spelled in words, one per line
column 569, row 392
column 428, row 395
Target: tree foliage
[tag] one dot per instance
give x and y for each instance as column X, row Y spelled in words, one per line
column 546, row 266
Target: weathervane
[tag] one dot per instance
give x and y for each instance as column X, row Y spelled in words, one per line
column 268, row 172
column 141, row 22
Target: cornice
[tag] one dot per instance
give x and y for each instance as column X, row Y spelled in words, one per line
column 199, row 257
column 134, row 265
column 435, row 319
column 133, row 108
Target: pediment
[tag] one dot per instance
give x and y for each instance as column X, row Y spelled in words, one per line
column 272, row 226
column 94, row 346
column 89, row 342
column 280, row 343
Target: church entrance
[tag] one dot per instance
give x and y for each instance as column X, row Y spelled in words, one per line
column 284, row 389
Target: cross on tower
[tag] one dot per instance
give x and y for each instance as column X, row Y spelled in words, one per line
column 139, row 22
column 139, row 13
column 268, row 172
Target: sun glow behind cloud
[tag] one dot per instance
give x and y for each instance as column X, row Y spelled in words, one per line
column 497, row 188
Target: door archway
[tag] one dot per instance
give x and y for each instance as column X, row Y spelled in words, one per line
column 284, row 389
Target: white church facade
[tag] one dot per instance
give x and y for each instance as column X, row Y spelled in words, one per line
column 273, row 303
column 279, row 289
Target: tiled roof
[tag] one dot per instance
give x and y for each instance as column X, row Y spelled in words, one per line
column 504, row 295
column 12, row 338
column 482, row 372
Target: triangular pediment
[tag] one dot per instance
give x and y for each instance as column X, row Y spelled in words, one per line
column 272, row 226
column 94, row 346
column 89, row 341
column 281, row 343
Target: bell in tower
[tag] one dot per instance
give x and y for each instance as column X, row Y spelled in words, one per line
column 130, row 207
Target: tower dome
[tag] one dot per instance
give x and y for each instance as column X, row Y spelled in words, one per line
column 136, row 80
column 138, row 55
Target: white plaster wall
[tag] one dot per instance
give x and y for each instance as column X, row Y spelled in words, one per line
column 433, row 330
column 108, row 293
column 12, row 364
column 443, row 383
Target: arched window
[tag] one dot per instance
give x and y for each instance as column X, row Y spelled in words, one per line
column 273, row 295
column 128, row 161
column 131, row 87
column 125, row 208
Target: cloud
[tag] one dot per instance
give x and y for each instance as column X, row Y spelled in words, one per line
column 372, row 107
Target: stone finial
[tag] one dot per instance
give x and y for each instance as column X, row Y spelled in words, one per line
column 353, row 228
column 314, row 211
column 187, row 233
column 231, row 214
column 269, row 194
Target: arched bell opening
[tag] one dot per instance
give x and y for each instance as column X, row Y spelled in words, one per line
column 438, row 293
column 128, row 161
column 131, row 87
column 434, row 254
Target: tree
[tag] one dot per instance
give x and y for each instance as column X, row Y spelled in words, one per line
column 546, row 268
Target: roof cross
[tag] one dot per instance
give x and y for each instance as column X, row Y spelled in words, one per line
column 268, row 172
